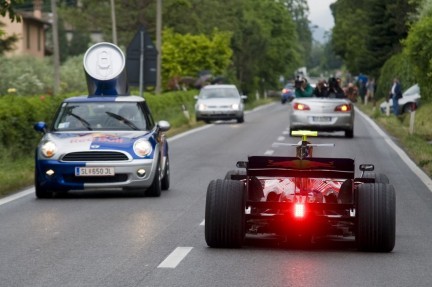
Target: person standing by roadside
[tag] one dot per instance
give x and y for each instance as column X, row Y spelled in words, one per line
column 370, row 87
column 395, row 94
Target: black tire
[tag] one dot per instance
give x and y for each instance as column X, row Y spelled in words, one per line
column 40, row 191
column 256, row 190
column 349, row 133
column 240, row 119
column 345, row 194
column 378, row 177
column 376, row 217
column 154, row 189
column 165, row 183
column 409, row 107
column 234, row 172
column 225, row 214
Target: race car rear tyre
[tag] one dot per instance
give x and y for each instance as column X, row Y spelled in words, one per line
column 240, row 119
column 378, row 177
column 349, row 133
column 255, row 186
column 154, row 189
column 376, row 217
column 234, row 172
column 225, row 214
column 165, row 183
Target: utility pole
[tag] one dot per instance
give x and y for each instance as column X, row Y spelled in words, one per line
column 56, row 47
column 159, row 46
column 113, row 20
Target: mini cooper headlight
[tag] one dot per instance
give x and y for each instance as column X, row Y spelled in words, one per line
column 48, row 149
column 142, row 148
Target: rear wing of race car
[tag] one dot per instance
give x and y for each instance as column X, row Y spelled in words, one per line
column 268, row 166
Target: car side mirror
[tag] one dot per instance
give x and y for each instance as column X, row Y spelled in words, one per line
column 196, row 97
column 40, row 127
column 164, row 126
column 366, row 167
column 243, row 97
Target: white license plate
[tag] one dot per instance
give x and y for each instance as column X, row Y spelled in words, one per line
column 322, row 119
column 94, row 171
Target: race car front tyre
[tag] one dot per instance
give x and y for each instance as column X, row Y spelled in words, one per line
column 225, row 214
column 376, row 217
column 378, row 177
column 155, row 188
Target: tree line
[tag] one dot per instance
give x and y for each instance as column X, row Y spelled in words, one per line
column 263, row 39
column 385, row 39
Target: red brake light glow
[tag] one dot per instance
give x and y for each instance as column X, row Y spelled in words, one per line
column 301, row 107
column 343, row 108
column 299, row 210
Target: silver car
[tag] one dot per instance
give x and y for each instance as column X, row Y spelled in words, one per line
column 322, row 114
column 219, row 102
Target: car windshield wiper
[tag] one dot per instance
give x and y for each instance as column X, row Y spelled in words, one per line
column 123, row 120
column 85, row 123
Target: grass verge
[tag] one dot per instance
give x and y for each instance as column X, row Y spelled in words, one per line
column 416, row 142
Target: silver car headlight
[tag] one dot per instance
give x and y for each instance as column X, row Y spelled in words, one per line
column 48, row 149
column 142, row 148
column 201, row 107
column 235, row 106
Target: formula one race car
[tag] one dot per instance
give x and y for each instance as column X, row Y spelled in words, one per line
column 301, row 198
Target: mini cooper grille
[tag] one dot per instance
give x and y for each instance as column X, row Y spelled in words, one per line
column 96, row 179
column 95, row 156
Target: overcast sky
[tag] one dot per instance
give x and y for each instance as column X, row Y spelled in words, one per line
column 320, row 14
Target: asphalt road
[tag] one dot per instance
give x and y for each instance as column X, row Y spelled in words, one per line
column 111, row 239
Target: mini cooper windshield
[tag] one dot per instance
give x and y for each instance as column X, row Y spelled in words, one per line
column 85, row 116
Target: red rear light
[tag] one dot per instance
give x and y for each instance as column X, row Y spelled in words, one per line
column 285, row 91
column 299, row 210
column 343, row 108
column 301, row 107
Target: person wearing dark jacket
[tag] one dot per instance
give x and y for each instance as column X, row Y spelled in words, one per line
column 334, row 89
column 320, row 90
column 395, row 94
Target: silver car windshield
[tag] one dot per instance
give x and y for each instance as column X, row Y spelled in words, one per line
column 85, row 116
column 219, row 93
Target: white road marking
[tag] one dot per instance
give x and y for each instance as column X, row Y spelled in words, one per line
column 286, row 132
column 16, row 196
column 269, row 152
column 281, row 139
column 418, row 171
column 175, row 257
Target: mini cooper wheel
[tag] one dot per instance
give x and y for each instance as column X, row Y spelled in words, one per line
column 225, row 214
column 165, row 183
column 376, row 217
column 154, row 189
column 40, row 191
